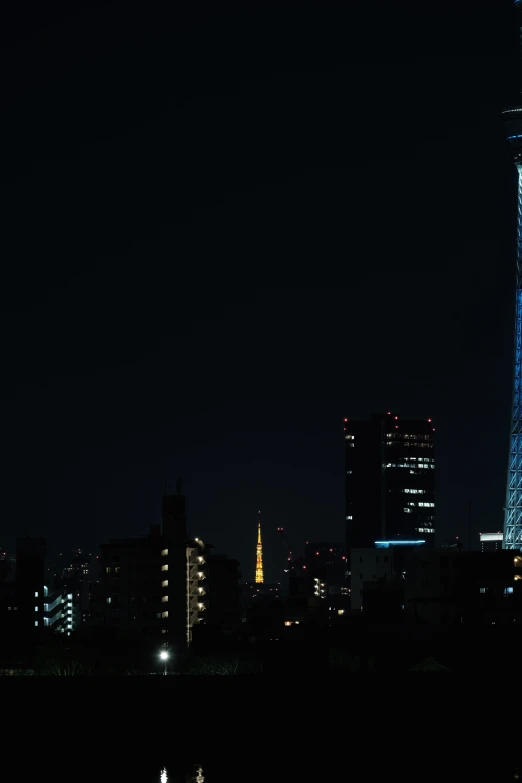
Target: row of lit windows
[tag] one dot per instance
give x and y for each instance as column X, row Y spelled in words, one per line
column 425, row 529
column 415, row 491
column 350, row 437
column 422, row 504
column 405, row 436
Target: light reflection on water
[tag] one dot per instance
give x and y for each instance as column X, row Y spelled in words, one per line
column 196, row 776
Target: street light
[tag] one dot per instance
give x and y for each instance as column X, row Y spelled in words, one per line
column 164, row 656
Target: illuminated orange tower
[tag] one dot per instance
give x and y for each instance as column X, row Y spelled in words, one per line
column 259, row 554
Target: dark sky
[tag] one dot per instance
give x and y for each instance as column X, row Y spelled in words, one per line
column 225, row 230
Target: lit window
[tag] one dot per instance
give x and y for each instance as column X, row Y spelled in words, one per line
column 482, row 589
column 164, row 599
column 349, row 516
column 165, row 567
column 165, row 583
column 109, row 600
column 164, row 614
column 508, row 590
column 35, row 608
column 36, row 622
column 340, row 611
column 36, row 594
column 164, row 552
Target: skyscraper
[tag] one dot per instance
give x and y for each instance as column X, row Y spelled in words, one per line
column 390, row 481
column 513, row 508
column 259, row 555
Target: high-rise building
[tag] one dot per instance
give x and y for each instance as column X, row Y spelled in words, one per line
column 152, row 586
column 513, row 507
column 390, row 481
column 259, row 555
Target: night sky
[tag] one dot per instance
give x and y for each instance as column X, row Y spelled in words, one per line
column 225, row 230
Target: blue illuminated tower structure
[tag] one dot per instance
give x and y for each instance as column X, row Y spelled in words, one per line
column 513, row 509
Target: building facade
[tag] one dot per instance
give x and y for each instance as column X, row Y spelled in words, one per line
column 155, row 585
column 389, row 481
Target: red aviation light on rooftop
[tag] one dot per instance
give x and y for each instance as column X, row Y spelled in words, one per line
column 396, row 418
column 429, row 420
column 345, row 420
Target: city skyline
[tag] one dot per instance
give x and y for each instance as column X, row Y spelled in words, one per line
column 253, row 270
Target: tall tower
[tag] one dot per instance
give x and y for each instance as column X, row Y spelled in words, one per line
column 513, row 509
column 259, row 554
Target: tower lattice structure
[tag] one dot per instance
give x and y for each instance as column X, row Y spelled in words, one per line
column 513, row 507
column 259, row 555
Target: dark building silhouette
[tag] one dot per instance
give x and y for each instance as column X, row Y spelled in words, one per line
column 76, row 580
column 30, row 583
column 152, row 586
column 8, row 602
column 256, row 593
column 326, row 562
column 390, row 480
column 222, row 585
column 440, row 587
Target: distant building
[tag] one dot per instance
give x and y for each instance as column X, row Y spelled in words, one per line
column 383, row 563
column 255, row 592
column 491, row 542
column 439, row 587
column 326, row 563
column 30, row 582
column 445, row 587
column 390, row 480
column 224, row 609
column 368, row 566
column 76, row 578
